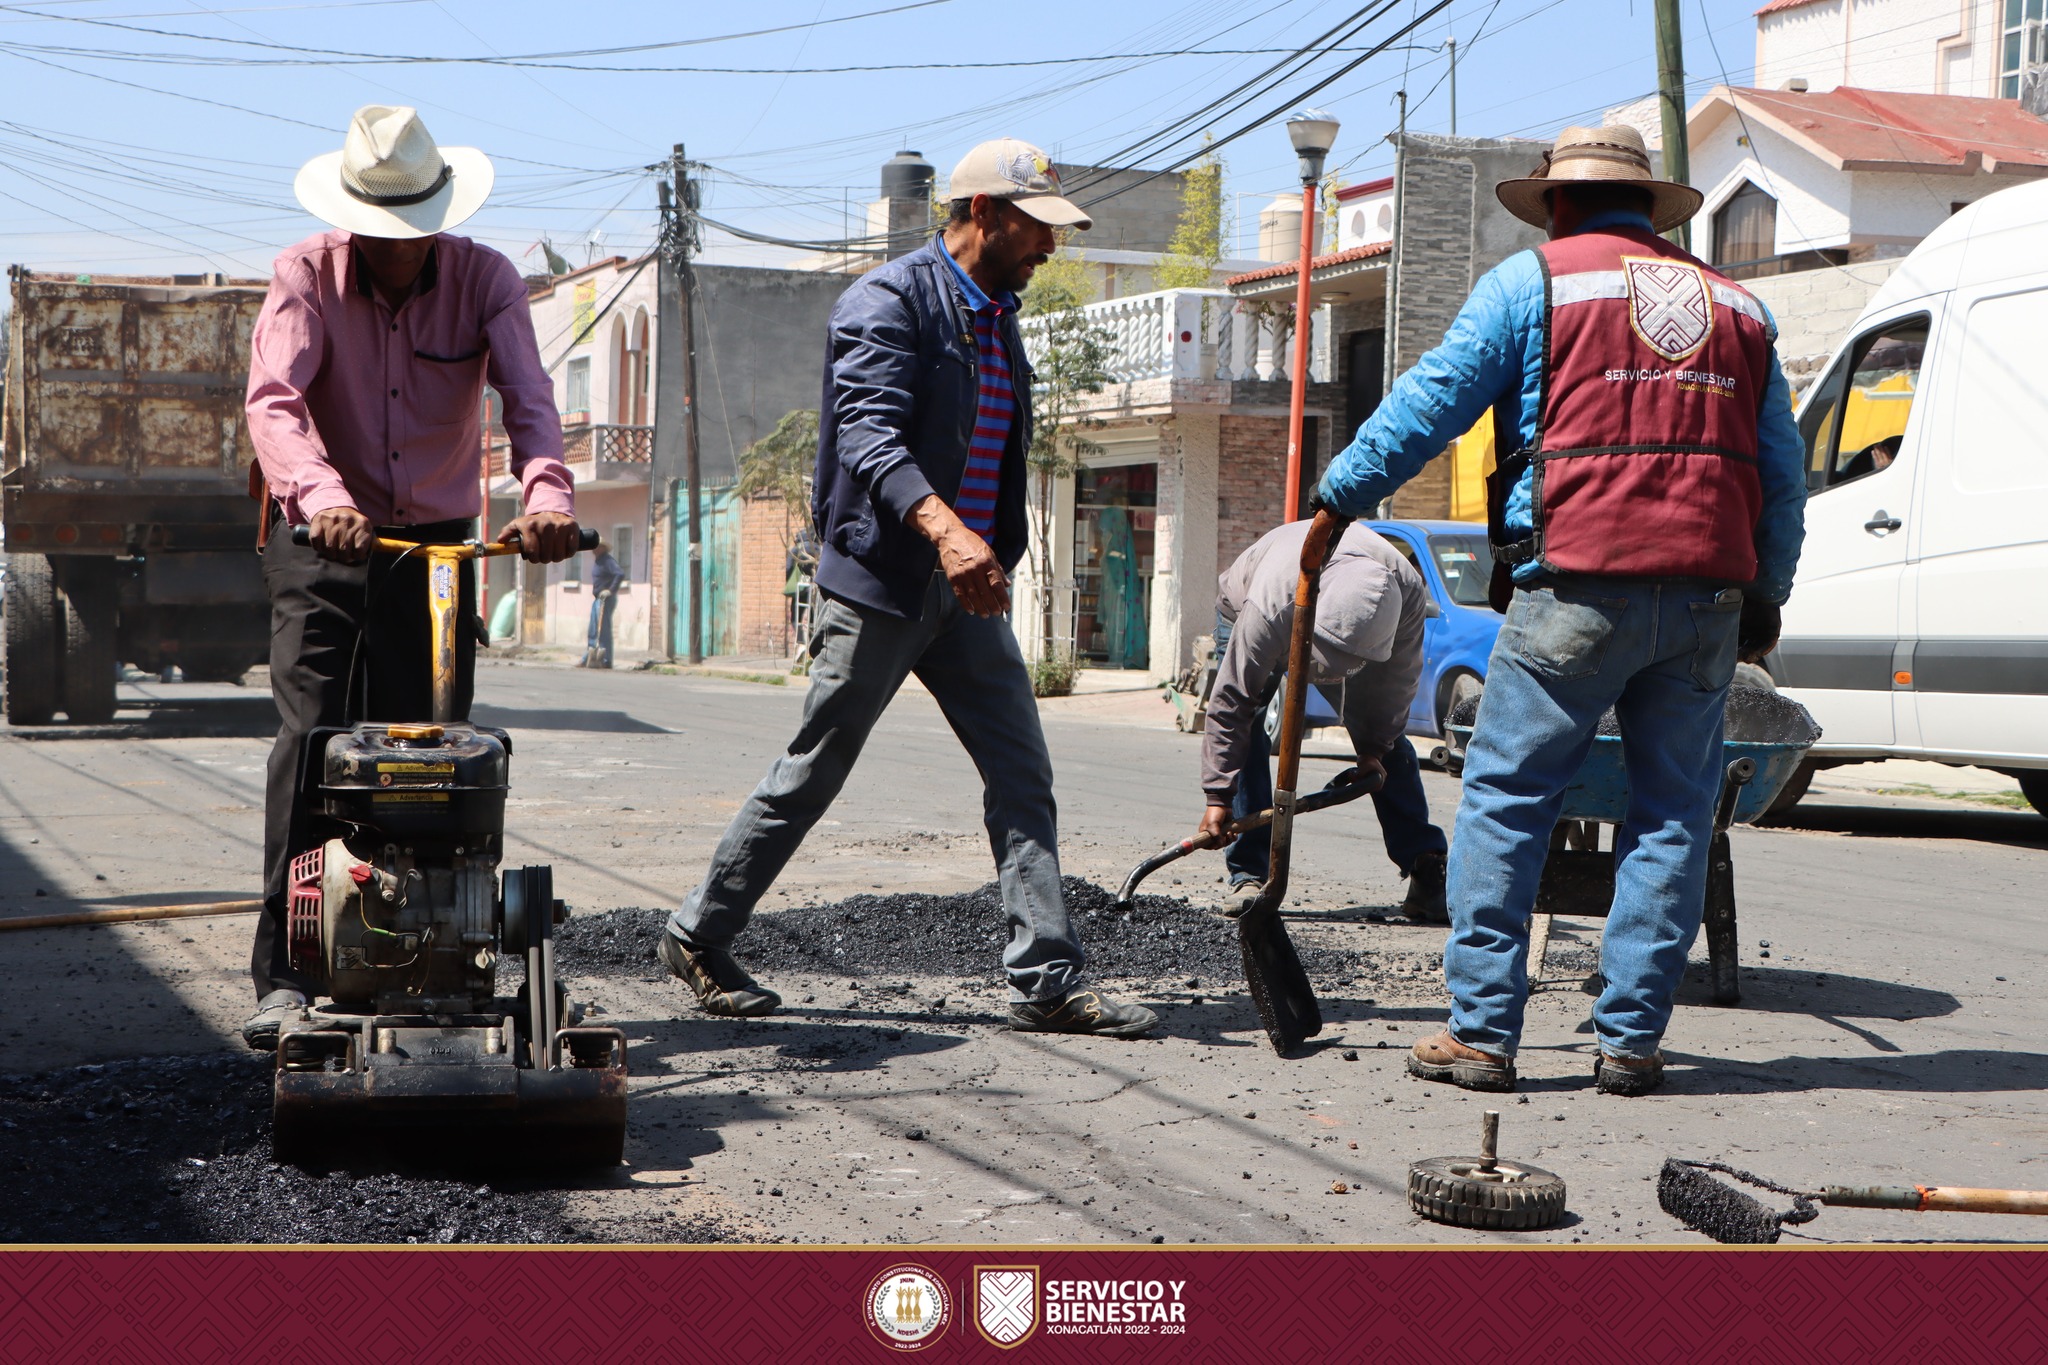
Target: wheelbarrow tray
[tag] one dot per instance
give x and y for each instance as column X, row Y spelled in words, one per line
column 1599, row 791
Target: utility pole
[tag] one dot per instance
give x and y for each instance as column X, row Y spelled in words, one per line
column 1671, row 103
column 679, row 242
column 1452, row 44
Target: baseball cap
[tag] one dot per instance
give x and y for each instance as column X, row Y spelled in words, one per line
column 1019, row 172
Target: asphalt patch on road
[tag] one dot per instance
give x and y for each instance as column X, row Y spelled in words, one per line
column 918, row 934
column 177, row 1149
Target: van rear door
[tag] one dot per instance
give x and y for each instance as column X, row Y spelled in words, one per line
column 1980, row 663
column 1842, row 625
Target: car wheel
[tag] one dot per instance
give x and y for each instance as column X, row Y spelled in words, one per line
column 1270, row 722
column 1463, row 687
column 2034, row 786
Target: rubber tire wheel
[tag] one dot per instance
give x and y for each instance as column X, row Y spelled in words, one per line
column 32, row 640
column 92, row 615
column 2034, row 786
column 1438, row 1193
column 1795, row 788
column 1462, row 686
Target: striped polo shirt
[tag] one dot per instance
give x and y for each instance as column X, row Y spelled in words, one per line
column 995, row 413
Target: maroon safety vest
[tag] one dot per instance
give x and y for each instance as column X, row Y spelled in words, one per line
column 1645, row 450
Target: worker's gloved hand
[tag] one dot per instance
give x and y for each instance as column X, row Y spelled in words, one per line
column 544, row 537
column 1758, row 633
column 342, row 534
column 1214, row 818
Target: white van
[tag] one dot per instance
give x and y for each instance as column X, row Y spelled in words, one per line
column 1918, row 627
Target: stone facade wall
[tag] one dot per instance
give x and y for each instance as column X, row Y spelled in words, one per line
column 1815, row 310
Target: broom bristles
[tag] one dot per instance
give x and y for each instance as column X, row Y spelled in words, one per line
column 1706, row 1205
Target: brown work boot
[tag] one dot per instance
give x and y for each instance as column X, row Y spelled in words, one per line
column 1614, row 1075
column 1440, row 1057
column 1425, row 900
column 1082, row 1010
column 720, row 984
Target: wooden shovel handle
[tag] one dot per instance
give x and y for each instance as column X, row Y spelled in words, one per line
column 1936, row 1199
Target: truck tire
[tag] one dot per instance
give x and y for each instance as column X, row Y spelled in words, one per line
column 2034, row 786
column 32, row 640
column 92, row 615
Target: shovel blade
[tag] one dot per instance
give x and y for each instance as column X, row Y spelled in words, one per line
column 1279, row 986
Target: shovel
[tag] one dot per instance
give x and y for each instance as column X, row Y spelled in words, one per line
column 1272, row 969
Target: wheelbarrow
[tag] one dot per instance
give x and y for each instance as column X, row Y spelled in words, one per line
column 1764, row 738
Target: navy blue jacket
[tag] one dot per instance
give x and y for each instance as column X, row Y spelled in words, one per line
column 901, row 390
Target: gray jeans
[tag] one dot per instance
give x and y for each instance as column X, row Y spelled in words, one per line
column 974, row 670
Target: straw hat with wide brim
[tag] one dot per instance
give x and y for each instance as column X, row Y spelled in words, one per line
column 1611, row 154
column 390, row 180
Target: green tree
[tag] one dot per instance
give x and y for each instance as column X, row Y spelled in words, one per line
column 780, row 465
column 1198, row 239
column 1072, row 360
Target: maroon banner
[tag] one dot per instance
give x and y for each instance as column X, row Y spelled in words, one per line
column 506, row 1307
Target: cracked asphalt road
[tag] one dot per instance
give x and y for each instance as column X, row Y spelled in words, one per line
column 1892, row 1035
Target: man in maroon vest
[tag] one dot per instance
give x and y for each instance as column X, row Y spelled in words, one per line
column 1648, row 510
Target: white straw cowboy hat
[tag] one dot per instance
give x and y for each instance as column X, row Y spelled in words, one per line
column 1611, row 154
column 390, row 180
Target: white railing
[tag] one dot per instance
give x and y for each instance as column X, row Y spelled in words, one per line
column 1197, row 334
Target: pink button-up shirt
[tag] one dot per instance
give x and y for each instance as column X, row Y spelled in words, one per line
column 354, row 404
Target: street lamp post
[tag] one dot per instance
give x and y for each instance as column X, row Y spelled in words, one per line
column 1311, row 131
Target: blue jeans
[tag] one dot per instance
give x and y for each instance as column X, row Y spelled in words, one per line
column 601, row 626
column 971, row 664
column 1400, row 803
column 1662, row 654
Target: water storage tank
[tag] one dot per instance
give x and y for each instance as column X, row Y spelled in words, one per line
column 904, row 210
column 1280, row 230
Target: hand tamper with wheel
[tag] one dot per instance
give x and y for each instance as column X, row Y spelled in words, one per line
column 1485, row 1192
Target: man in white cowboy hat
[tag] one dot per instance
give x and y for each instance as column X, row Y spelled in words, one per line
column 1648, row 510
column 366, row 376
column 919, row 506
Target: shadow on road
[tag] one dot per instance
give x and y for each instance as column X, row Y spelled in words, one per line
column 1957, row 1071
column 2021, row 829
column 518, row 718
column 248, row 717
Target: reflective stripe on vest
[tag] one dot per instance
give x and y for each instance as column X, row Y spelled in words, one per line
column 1645, row 451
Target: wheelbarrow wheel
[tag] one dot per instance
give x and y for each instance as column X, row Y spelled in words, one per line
column 1441, row 1190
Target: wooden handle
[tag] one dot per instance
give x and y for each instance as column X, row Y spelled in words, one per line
column 1315, row 552
column 1936, row 1199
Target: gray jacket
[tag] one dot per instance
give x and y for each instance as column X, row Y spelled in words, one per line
column 1369, row 617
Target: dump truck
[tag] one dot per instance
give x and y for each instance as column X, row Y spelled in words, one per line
column 125, row 496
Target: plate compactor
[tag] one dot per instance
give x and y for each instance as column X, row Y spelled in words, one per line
column 401, row 923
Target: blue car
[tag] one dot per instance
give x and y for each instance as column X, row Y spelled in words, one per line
column 1457, row 565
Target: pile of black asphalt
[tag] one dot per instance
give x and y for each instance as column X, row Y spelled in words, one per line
column 177, row 1149
column 917, row 934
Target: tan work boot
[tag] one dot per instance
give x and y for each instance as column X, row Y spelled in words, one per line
column 1440, row 1057
column 720, row 984
column 1627, row 1075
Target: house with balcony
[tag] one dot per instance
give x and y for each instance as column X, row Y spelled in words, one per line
column 760, row 341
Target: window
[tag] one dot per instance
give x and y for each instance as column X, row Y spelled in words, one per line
column 572, row 571
column 1466, row 562
column 1746, row 228
column 579, row 389
column 1855, row 423
column 2024, row 44
column 622, row 548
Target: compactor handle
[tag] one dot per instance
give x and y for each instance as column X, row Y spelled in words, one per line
column 586, row 539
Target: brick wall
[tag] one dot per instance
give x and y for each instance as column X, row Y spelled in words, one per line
column 1251, row 482
column 764, row 611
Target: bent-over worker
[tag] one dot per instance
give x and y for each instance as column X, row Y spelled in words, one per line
column 1366, row 656
column 1650, row 510
column 366, row 376
column 919, row 504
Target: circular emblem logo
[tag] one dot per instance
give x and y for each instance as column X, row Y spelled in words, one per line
column 907, row 1306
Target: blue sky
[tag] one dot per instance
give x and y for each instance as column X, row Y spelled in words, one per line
column 162, row 135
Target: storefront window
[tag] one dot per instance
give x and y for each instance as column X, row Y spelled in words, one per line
column 1115, row 514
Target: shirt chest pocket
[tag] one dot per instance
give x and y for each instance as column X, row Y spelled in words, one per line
column 446, row 384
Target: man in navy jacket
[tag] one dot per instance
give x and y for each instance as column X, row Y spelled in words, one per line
column 919, row 505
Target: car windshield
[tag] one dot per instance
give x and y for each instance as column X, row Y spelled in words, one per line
column 1466, row 562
